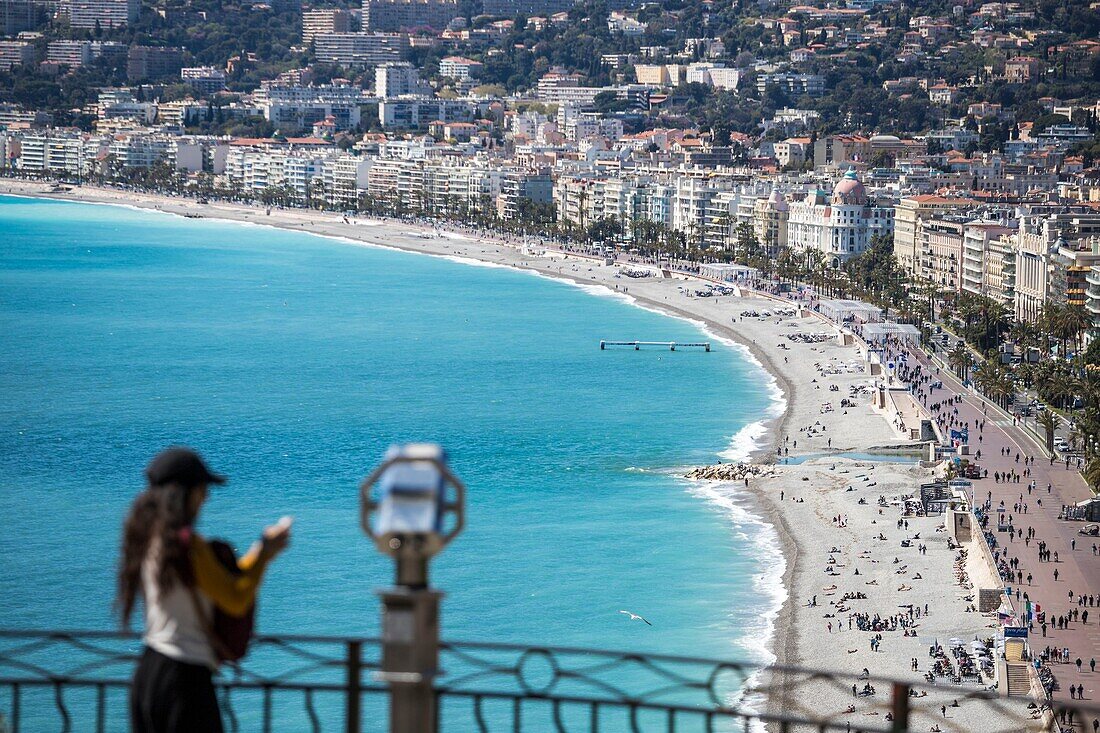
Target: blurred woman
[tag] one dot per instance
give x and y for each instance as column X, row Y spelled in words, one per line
column 182, row 582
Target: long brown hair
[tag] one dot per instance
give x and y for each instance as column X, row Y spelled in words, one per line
column 157, row 515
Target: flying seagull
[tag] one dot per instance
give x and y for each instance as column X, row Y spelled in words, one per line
column 635, row 617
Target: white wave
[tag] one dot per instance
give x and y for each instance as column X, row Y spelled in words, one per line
column 475, row 262
column 604, row 292
column 748, row 440
column 768, row 581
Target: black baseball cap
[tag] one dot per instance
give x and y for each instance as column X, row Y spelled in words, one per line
column 178, row 465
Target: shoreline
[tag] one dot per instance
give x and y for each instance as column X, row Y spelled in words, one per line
column 861, row 429
column 775, row 425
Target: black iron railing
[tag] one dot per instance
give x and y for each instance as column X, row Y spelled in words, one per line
column 78, row 681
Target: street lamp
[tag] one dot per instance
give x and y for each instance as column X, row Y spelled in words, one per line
column 404, row 508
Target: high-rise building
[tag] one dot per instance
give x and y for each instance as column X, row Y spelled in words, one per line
column 150, row 62
column 397, row 79
column 20, row 15
column 69, row 53
column 80, row 53
column 15, row 53
column 512, row 8
column 397, row 15
column 204, row 79
column 295, row 108
column 104, row 13
column 316, row 22
column 359, row 49
column 794, row 85
column 908, row 248
column 413, row 114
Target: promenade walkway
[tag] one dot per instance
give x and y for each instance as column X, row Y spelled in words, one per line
column 1078, row 564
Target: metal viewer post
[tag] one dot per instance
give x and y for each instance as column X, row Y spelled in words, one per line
column 404, row 505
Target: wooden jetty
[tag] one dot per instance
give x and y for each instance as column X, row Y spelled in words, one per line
column 670, row 345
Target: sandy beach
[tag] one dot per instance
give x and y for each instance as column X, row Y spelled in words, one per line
column 841, row 520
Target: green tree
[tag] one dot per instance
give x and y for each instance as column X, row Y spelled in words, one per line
column 960, row 359
column 1049, row 421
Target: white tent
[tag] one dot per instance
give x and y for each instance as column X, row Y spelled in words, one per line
column 879, row 332
column 842, row 311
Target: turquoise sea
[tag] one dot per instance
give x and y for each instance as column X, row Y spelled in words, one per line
column 291, row 362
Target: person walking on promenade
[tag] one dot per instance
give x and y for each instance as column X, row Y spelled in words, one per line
column 182, row 583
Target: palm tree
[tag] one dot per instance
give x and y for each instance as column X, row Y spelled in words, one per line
column 1024, row 334
column 960, row 359
column 1049, row 422
column 1091, row 473
column 1064, row 386
column 1076, row 321
column 1066, row 323
column 995, row 320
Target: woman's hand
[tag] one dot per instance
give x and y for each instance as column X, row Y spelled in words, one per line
column 276, row 537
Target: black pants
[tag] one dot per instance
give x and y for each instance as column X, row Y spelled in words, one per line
column 169, row 696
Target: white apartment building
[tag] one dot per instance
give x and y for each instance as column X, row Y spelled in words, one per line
column 16, row 53
column 722, row 77
column 139, row 151
column 459, row 68
column 359, row 49
column 578, row 199
column 712, row 75
column 205, row 80
column 398, row 79
column 1034, row 241
column 587, row 127
column 983, row 258
column 794, row 85
column 300, row 171
column 344, row 177
column 70, row 53
column 706, row 211
column 1092, row 300
column 80, row 53
column 60, row 153
column 121, row 104
column 690, row 205
column 1054, row 256
column 295, row 107
column 316, row 22
column 87, row 14
column 999, row 276
column 400, row 183
column 416, row 113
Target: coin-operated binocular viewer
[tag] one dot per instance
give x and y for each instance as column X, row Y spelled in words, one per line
column 411, row 506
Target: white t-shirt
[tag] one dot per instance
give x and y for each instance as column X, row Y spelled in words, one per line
column 171, row 625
